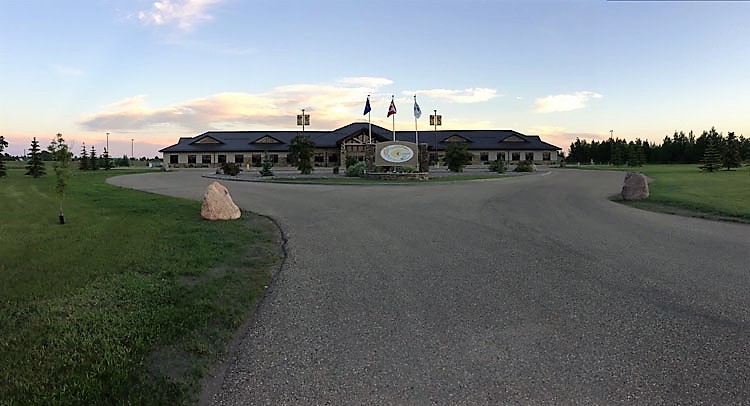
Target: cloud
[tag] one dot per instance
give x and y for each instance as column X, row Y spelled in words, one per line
column 332, row 105
column 185, row 13
column 68, row 71
column 564, row 102
column 366, row 81
column 471, row 95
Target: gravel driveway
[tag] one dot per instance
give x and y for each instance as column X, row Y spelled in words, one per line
column 524, row 290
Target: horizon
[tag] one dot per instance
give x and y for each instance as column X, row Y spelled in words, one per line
column 153, row 72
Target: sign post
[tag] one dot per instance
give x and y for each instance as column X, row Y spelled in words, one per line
column 436, row 120
column 303, row 120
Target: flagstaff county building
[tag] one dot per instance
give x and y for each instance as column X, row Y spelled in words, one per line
column 213, row 148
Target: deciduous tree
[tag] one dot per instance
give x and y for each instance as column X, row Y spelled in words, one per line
column 301, row 150
column 59, row 150
column 456, row 156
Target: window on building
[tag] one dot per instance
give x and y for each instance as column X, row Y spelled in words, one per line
column 239, row 158
column 319, row 158
column 274, row 158
column 484, row 156
column 546, row 156
column 206, row 159
column 501, row 156
column 333, row 158
column 516, row 156
column 222, row 159
column 173, row 159
column 529, row 156
column 255, row 158
column 191, row 159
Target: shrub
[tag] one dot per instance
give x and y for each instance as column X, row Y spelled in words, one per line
column 524, row 166
column 406, row 169
column 456, row 156
column 498, row 166
column 351, row 161
column 230, row 168
column 356, row 170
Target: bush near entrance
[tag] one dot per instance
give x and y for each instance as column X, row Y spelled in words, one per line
column 456, row 156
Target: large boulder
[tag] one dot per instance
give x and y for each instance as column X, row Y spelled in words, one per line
column 218, row 204
column 635, row 186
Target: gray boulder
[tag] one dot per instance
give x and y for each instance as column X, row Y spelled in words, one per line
column 635, row 186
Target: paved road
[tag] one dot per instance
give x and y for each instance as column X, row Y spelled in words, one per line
column 525, row 290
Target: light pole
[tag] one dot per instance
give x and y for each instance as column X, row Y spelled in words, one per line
column 107, row 145
column 132, row 140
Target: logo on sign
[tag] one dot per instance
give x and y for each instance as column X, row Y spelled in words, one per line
column 396, row 153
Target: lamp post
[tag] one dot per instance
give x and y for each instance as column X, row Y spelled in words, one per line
column 435, row 121
column 132, row 140
column 437, row 159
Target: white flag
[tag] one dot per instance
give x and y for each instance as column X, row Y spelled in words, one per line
column 417, row 110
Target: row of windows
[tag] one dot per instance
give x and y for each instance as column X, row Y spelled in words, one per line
column 320, row 158
column 239, row 158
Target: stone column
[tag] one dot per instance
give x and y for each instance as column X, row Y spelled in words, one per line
column 424, row 158
column 370, row 157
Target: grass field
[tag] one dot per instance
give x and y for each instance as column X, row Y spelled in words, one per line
column 684, row 189
column 129, row 302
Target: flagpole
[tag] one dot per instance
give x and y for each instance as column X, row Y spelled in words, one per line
column 394, row 120
column 369, row 122
column 416, row 129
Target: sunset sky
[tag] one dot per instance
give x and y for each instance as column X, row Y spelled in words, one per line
column 154, row 71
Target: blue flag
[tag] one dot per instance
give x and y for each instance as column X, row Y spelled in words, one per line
column 367, row 106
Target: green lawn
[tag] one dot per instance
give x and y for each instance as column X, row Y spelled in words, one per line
column 685, row 188
column 129, row 302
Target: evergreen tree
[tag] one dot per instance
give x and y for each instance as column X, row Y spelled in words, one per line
column 59, row 150
column 84, row 162
column 730, row 155
column 35, row 166
column 711, row 158
column 618, row 154
column 3, row 145
column 456, row 156
column 744, row 148
column 267, row 165
column 106, row 160
column 301, row 150
column 93, row 160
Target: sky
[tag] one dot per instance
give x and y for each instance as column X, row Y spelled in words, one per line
column 149, row 72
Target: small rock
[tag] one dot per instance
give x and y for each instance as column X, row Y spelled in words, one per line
column 218, row 204
column 635, row 186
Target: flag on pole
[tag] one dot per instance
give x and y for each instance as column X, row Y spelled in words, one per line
column 392, row 108
column 417, row 110
column 367, row 106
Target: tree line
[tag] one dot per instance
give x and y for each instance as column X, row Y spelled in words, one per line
column 680, row 148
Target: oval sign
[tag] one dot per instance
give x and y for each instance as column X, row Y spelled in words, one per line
column 396, row 153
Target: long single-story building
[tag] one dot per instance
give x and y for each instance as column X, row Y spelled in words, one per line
column 333, row 147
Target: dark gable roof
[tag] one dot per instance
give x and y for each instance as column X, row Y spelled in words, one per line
column 244, row 141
